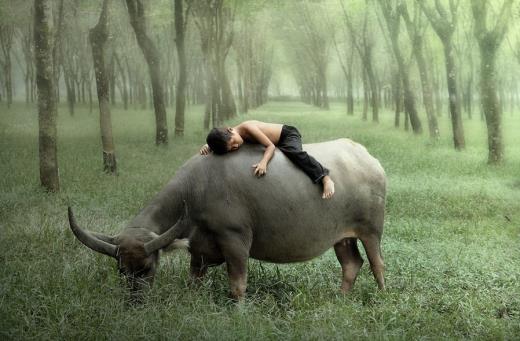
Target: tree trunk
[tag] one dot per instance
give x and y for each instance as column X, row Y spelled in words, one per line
column 49, row 175
column 98, row 37
column 180, row 103
column 6, row 43
column 112, row 80
column 229, row 107
column 27, row 89
column 366, row 94
column 409, row 97
column 350, row 91
column 456, row 119
column 212, row 97
column 433, row 126
column 90, row 105
column 71, row 93
column 323, row 86
column 416, row 37
column 137, row 20
column 124, row 82
column 502, row 96
column 83, row 98
column 514, row 94
column 240, row 88
column 216, row 112
column 8, row 81
column 207, row 113
column 437, row 92
column 57, row 54
column 468, row 96
column 392, row 18
column 374, row 98
column 490, row 103
column 398, row 98
column 131, row 82
column 406, row 121
column 444, row 28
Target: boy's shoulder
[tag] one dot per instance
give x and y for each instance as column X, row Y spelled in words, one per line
column 250, row 122
column 245, row 126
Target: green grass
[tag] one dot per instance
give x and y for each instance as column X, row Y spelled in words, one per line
column 451, row 241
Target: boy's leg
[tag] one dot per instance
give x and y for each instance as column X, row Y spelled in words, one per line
column 291, row 145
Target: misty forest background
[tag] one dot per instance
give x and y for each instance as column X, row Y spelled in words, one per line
column 102, row 101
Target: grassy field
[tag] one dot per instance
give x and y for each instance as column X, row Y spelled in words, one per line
column 451, row 241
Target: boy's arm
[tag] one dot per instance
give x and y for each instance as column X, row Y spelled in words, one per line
column 257, row 135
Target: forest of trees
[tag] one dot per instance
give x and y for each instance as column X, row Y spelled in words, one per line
column 420, row 60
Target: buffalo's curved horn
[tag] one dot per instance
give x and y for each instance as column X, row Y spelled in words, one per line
column 167, row 237
column 89, row 240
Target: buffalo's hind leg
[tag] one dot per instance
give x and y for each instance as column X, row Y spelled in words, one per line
column 348, row 256
column 372, row 244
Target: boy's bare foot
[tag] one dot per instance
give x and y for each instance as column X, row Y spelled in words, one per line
column 328, row 187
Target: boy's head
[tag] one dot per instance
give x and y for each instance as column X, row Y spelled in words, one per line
column 223, row 140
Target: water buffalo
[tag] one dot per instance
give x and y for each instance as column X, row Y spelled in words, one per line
column 215, row 204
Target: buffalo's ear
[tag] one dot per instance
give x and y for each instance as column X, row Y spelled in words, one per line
column 178, row 244
column 104, row 237
column 164, row 239
column 170, row 238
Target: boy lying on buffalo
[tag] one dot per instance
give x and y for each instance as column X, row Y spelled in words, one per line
column 286, row 138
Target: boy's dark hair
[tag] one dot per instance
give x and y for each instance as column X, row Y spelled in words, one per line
column 217, row 140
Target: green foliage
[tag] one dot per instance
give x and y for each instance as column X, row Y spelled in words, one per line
column 450, row 242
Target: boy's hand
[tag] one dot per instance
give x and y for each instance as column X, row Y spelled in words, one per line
column 205, row 150
column 260, row 168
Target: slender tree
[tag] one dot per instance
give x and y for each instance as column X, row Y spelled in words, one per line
column 393, row 20
column 467, row 87
column 72, row 52
column 489, row 41
column 316, row 46
column 444, row 25
column 347, row 68
column 151, row 54
column 46, row 96
column 214, row 20
column 6, row 44
column 25, row 33
column 364, row 44
column 123, row 87
column 397, row 95
column 181, row 20
column 416, row 31
column 254, row 57
column 98, row 36
column 57, row 53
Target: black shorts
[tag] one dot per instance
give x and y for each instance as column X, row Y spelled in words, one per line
column 291, row 145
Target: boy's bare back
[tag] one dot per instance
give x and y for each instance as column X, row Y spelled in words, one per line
column 271, row 130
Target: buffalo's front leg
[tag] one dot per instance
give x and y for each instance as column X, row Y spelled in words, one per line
column 235, row 253
column 237, row 272
column 197, row 268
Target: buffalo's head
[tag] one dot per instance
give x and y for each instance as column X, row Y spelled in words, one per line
column 135, row 249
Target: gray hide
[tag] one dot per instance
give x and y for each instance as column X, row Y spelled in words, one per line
column 281, row 217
